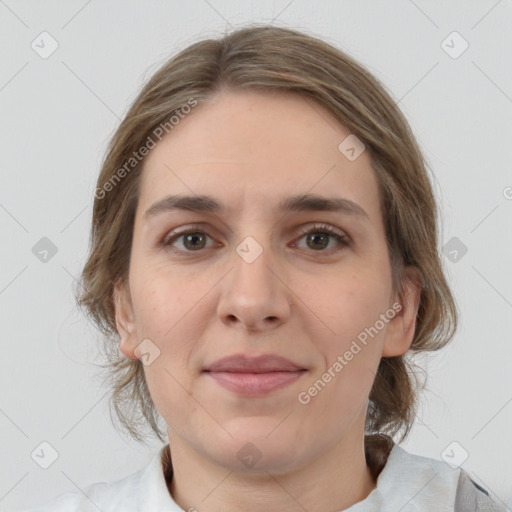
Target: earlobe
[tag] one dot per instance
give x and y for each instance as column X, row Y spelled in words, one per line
column 125, row 323
column 401, row 328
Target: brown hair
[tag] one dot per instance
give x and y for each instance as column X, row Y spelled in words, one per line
column 268, row 58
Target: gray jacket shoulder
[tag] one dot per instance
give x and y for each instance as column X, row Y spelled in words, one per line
column 470, row 497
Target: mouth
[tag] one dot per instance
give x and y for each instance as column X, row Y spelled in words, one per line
column 247, row 375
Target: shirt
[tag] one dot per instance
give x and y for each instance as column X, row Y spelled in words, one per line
column 405, row 482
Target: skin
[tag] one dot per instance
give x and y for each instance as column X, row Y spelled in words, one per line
column 298, row 299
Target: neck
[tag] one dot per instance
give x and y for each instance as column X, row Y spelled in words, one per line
column 334, row 481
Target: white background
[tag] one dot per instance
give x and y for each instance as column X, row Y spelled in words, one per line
column 57, row 115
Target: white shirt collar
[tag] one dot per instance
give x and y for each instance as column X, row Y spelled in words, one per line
column 153, row 493
column 411, row 483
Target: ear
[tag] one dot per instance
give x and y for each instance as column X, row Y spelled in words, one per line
column 125, row 322
column 402, row 326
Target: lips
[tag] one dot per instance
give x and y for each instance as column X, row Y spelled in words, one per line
column 241, row 363
column 247, row 375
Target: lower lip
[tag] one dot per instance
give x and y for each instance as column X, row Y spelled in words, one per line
column 255, row 383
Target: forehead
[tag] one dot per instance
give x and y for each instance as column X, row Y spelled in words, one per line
column 259, row 146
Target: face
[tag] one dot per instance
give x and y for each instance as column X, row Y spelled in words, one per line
column 251, row 279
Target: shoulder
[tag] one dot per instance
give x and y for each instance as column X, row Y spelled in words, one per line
column 471, row 496
column 414, row 482
column 98, row 496
column 128, row 494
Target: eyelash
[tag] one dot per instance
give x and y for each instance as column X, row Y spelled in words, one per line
column 342, row 240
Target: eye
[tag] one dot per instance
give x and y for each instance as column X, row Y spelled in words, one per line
column 319, row 234
column 194, row 239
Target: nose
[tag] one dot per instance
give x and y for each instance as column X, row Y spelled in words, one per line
column 254, row 294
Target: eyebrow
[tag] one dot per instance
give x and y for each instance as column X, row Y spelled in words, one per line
column 298, row 203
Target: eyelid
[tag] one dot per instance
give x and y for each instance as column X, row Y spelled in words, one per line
column 321, row 226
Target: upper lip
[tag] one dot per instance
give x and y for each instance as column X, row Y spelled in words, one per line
column 242, row 363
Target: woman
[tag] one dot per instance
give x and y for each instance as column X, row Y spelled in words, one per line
column 263, row 260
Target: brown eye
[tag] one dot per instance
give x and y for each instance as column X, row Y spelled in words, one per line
column 318, row 238
column 192, row 240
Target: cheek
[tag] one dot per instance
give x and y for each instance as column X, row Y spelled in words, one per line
column 351, row 347
column 161, row 299
column 162, row 318
column 350, row 304
column 161, row 312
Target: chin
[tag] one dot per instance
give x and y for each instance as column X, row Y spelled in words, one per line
column 261, row 429
column 257, row 446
